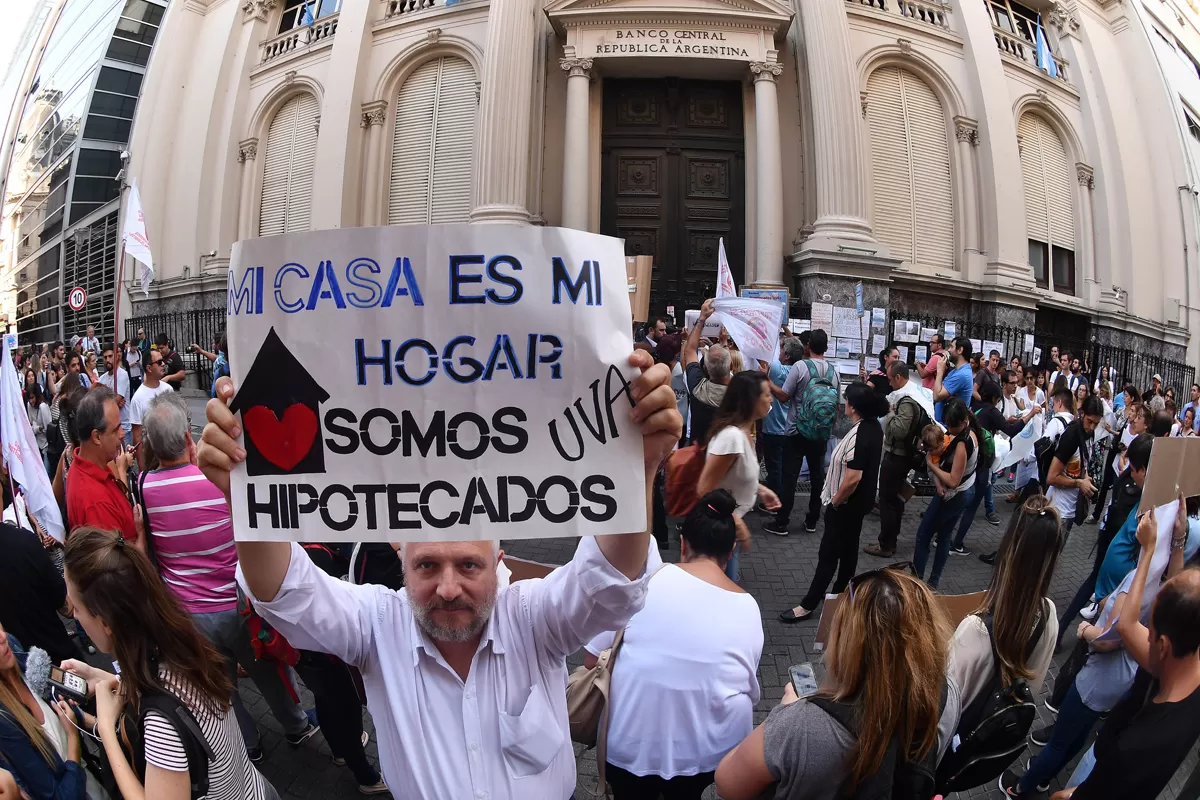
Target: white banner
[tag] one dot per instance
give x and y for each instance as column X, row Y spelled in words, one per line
column 21, row 454
column 1023, row 442
column 433, row 383
column 753, row 324
column 725, row 285
column 137, row 244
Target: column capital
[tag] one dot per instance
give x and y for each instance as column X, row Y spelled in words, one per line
column 1064, row 19
column 258, row 9
column 1086, row 175
column 373, row 113
column 247, row 150
column 766, row 70
column 576, row 67
column 966, row 130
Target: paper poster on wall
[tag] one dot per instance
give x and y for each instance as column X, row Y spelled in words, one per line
column 976, row 345
column 799, row 326
column 989, row 346
column 1028, row 343
column 950, row 329
column 843, row 348
column 878, row 342
column 424, row 383
column 906, row 331
column 1037, row 355
column 878, row 319
column 822, row 317
column 871, row 363
column 903, row 348
column 927, row 334
column 846, row 322
column 922, row 353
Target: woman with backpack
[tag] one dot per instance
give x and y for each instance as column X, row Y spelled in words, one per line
column 169, row 673
column 953, row 472
column 730, row 461
column 884, row 692
column 1000, row 653
column 847, row 496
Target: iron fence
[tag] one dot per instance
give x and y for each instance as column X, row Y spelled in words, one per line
column 184, row 328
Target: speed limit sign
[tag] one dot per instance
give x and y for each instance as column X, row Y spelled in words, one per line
column 77, row 298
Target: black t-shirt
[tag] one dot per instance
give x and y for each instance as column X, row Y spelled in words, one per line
column 1070, row 448
column 1141, row 744
column 174, row 364
column 31, row 592
column 879, row 382
column 868, row 450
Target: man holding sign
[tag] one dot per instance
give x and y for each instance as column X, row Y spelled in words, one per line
column 466, row 679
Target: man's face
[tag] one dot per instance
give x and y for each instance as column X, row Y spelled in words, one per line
column 155, row 365
column 1139, row 476
column 113, row 437
column 141, row 334
column 1090, row 421
column 1075, row 365
column 451, row 587
column 993, row 363
column 59, row 352
column 937, row 344
column 660, row 329
column 1157, row 385
column 108, row 360
column 896, row 381
column 91, row 331
column 1064, row 363
column 1196, row 394
column 1010, row 385
column 74, row 366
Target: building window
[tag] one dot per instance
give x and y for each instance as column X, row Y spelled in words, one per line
column 1192, row 126
column 135, row 32
column 288, row 167
column 912, row 190
column 433, row 144
column 1014, row 18
column 295, row 16
column 1049, row 184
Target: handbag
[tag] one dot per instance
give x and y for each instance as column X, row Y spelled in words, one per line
column 587, row 705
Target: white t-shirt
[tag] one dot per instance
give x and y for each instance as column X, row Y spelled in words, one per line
column 1038, row 399
column 683, row 684
column 742, row 478
column 122, row 388
column 141, row 401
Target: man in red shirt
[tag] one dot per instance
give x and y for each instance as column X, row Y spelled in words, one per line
column 95, row 495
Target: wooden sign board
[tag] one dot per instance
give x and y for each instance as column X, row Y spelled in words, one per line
column 957, row 607
column 638, row 269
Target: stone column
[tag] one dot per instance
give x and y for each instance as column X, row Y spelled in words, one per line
column 576, row 191
column 839, row 145
column 247, row 150
column 374, row 114
column 966, row 131
column 768, row 175
column 1085, row 252
column 505, row 111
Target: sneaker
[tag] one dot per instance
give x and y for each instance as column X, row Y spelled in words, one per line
column 297, row 739
column 255, row 754
column 341, row 762
column 1090, row 611
column 959, row 550
column 775, row 528
column 1051, row 708
column 1041, row 787
column 810, row 527
column 1008, row 784
column 993, row 518
column 987, row 558
column 1090, row 521
column 375, row 788
column 1041, row 736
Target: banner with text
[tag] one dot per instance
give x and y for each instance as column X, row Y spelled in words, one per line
column 433, row 383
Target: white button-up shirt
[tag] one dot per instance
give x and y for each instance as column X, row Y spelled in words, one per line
column 503, row 733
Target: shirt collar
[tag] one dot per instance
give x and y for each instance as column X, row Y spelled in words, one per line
column 97, row 472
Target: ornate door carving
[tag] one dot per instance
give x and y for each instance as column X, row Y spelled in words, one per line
column 674, row 181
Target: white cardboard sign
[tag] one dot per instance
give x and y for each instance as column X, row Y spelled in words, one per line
column 433, row 383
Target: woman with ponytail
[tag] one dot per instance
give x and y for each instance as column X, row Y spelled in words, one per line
column 684, row 678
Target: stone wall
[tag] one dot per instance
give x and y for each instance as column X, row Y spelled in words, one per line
column 193, row 301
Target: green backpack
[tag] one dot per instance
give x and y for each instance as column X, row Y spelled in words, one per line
column 987, row 449
column 818, row 405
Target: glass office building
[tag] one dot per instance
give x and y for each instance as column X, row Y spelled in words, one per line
column 62, row 185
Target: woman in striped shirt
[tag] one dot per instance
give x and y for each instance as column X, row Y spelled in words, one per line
column 125, row 608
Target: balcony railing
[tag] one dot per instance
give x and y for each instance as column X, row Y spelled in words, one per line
column 930, row 12
column 1022, row 49
column 299, row 38
column 400, row 8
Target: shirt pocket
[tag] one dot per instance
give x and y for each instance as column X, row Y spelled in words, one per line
column 531, row 739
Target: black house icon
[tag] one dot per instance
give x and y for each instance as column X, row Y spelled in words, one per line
column 280, row 405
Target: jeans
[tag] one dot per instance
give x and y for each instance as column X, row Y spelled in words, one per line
column 339, row 708
column 1106, row 483
column 1088, row 587
column 838, row 553
column 1075, row 721
column 798, row 451
column 627, row 786
column 981, row 491
column 1083, row 768
column 939, row 521
column 892, row 472
column 775, row 452
column 731, row 566
column 228, row 632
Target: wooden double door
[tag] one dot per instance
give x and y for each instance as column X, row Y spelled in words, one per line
column 673, row 181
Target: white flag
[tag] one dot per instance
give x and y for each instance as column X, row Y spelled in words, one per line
column 725, row 285
column 1022, row 444
column 137, row 245
column 753, row 324
column 21, row 454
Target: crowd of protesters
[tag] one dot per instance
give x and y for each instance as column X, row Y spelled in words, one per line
column 464, row 672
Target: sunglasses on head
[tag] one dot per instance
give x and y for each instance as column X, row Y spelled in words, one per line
column 899, row 566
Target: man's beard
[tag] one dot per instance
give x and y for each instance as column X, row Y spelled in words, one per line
column 441, row 633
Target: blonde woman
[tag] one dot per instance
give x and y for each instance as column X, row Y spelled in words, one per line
column 885, row 669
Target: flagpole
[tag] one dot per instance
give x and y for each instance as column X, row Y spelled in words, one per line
column 117, row 310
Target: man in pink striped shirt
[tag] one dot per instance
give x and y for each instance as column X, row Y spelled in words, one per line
column 192, row 535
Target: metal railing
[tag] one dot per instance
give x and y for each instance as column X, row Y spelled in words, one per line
column 1021, row 49
column 183, row 328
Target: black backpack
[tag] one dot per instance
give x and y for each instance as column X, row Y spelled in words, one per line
column 199, row 752
column 1043, row 451
column 897, row 778
column 992, row 729
column 913, row 439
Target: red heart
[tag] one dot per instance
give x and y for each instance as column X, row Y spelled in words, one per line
column 284, row 442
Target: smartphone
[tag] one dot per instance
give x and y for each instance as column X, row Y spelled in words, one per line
column 69, row 684
column 804, row 680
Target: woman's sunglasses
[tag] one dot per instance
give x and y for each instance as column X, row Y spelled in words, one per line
column 899, row 566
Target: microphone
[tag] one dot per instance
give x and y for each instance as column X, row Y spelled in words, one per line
column 37, row 671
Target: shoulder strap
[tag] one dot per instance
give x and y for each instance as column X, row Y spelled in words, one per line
column 812, row 368
column 199, row 751
column 843, row 713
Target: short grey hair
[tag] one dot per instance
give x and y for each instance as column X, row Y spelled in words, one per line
column 793, row 348
column 717, row 362
column 167, row 426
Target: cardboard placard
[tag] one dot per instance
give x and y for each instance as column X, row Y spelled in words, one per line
column 637, row 274
column 1174, row 469
column 433, row 383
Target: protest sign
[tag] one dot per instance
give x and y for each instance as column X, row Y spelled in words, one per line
column 1172, row 471
column 433, row 383
column 712, row 326
column 752, row 324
